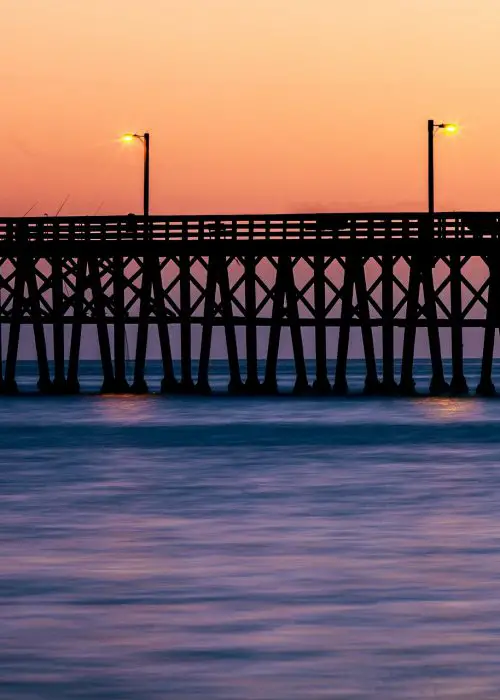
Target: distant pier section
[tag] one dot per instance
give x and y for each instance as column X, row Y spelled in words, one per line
column 330, row 273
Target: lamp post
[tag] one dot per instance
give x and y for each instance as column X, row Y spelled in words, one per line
column 127, row 138
column 438, row 383
column 431, row 130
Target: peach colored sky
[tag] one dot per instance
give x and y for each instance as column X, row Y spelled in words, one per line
column 261, row 105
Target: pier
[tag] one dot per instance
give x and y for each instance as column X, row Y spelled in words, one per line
column 375, row 272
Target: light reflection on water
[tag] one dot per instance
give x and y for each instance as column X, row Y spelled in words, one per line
column 239, row 549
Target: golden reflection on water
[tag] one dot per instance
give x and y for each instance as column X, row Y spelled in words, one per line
column 452, row 408
column 124, row 407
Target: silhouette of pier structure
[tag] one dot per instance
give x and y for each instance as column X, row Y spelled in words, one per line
column 253, row 276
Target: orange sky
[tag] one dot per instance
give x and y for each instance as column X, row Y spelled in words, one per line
column 258, row 105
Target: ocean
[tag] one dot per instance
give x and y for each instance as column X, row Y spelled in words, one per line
column 253, row 548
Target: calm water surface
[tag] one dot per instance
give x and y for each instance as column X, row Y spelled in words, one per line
column 267, row 549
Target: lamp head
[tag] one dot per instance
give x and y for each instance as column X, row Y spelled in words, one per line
column 127, row 138
column 449, row 127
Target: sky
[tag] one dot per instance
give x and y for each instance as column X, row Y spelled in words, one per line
column 253, row 106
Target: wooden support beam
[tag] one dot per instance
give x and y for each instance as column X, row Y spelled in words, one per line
column 108, row 384
column 458, row 383
column 168, row 382
column 372, row 385
column 187, row 384
column 301, row 383
column 389, row 386
column 438, row 385
column 139, row 385
column 203, row 384
column 119, row 339
column 252, row 384
column 59, row 380
column 270, row 385
column 407, row 383
column 44, row 382
column 10, row 384
column 235, row 383
column 72, row 382
column 321, row 384
column 486, row 386
column 340, row 386
column 1, row 330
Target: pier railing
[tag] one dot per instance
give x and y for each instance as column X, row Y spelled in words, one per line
column 271, row 227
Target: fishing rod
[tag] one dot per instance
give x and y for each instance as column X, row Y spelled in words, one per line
column 62, row 205
column 30, row 209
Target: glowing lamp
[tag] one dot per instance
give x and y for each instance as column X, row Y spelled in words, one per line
column 144, row 138
column 432, row 129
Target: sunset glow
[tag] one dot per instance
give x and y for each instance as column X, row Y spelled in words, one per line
column 254, row 106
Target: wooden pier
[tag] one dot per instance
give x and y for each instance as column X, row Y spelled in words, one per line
column 319, row 271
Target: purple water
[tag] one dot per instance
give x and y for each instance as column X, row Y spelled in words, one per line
column 236, row 549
